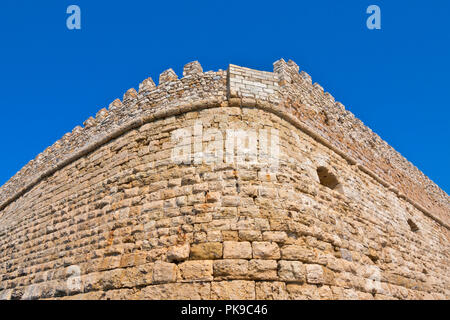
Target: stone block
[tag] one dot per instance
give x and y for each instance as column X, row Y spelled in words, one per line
column 178, row 252
column 195, row 270
column 230, row 269
column 237, row 250
column 164, row 272
column 176, row 291
column 206, row 251
column 233, row 290
column 262, row 269
column 265, row 250
column 273, row 290
column 291, row 271
column 295, row 252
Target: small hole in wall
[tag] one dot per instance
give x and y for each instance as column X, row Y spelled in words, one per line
column 412, row 225
column 328, row 179
column 17, row 294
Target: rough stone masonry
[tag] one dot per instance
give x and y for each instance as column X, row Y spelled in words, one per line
column 105, row 212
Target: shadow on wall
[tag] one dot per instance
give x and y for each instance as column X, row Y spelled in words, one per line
column 329, row 180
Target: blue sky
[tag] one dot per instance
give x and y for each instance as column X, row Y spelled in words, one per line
column 396, row 80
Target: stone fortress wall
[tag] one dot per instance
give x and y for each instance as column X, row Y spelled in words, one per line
column 105, row 212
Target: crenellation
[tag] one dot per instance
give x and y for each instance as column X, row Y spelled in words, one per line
column 101, row 115
column 247, row 83
column 90, row 122
column 116, row 104
column 306, row 77
column 147, row 85
column 319, row 88
column 192, row 68
column 293, row 66
column 282, row 68
column 129, row 95
column 76, row 131
column 329, row 98
column 167, row 76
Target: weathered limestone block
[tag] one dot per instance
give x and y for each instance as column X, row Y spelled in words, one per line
column 6, row 294
column 214, row 236
column 32, row 292
column 233, row 290
column 197, row 270
column 229, row 235
column 109, row 262
column 275, row 236
column 178, row 253
column 108, row 280
column 237, row 250
column 294, row 252
column 164, row 272
column 231, row 201
column 250, row 235
column 230, row 269
column 262, row 269
column 138, row 276
column 316, row 274
column 273, row 290
column 176, row 291
column 265, row 250
column 132, row 259
column 206, row 251
column 309, row 292
column 95, row 295
column 291, row 271
column 121, row 294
